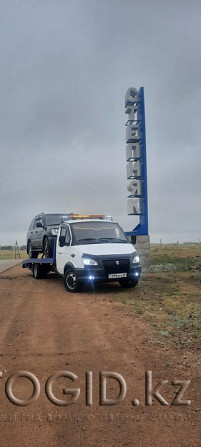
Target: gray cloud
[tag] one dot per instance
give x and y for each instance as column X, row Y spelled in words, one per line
column 64, row 70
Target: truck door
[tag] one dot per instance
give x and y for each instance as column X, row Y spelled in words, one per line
column 64, row 251
column 38, row 233
column 34, row 234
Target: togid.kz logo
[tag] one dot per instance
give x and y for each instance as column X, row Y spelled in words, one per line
column 72, row 393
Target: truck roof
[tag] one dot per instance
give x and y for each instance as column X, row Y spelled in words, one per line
column 88, row 220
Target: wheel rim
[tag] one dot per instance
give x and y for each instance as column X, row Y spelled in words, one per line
column 71, row 280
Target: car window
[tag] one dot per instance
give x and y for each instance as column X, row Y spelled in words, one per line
column 63, row 231
column 37, row 221
column 67, row 237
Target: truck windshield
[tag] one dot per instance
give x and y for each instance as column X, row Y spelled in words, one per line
column 97, row 232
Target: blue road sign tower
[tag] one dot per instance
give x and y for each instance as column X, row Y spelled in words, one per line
column 137, row 198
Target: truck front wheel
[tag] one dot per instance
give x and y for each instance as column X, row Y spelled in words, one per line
column 71, row 282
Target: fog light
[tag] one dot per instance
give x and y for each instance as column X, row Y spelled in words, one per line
column 136, row 274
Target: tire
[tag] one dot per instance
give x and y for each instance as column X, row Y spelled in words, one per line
column 32, row 253
column 128, row 283
column 46, row 248
column 36, row 271
column 71, row 282
column 39, row 271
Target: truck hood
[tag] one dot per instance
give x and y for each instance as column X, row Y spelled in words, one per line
column 106, row 249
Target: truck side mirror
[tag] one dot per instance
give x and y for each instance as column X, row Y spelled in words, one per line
column 38, row 225
column 61, row 241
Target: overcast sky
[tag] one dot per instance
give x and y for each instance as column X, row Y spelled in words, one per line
column 65, row 67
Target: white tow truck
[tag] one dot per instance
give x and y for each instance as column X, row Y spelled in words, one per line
column 89, row 249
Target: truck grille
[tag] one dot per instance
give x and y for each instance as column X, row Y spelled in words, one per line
column 116, row 266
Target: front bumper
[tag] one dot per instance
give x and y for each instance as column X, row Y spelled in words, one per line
column 98, row 274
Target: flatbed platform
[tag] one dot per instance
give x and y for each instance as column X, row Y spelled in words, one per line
column 28, row 263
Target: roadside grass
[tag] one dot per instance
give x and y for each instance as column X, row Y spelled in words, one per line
column 180, row 255
column 170, row 302
column 10, row 254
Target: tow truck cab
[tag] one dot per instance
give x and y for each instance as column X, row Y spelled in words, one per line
column 95, row 249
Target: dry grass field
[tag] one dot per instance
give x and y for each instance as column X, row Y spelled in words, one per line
column 10, row 254
column 170, row 301
column 180, row 255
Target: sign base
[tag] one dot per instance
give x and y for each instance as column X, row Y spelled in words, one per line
column 142, row 245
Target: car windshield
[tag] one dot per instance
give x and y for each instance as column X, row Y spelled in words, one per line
column 55, row 219
column 97, row 232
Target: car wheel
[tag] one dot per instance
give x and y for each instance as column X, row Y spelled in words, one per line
column 128, row 283
column 71, row 282
column 46, row 248
column 31, row 253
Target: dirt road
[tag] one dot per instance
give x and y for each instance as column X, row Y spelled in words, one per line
column 44, row 329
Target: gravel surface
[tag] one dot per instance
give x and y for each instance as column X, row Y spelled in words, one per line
column 45, row 329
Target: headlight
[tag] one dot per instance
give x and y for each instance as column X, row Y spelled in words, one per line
column 136, row 259
column 89, row 261
column 55, row 231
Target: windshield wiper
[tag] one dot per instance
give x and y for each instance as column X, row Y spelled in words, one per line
column 86, row 239
column 109, row 239
column 101, row 240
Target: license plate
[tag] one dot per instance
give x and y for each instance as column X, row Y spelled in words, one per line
column 117, row 275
